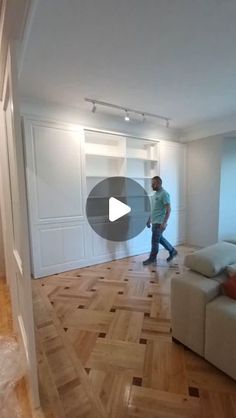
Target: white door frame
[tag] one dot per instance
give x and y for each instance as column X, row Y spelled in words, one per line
column 15, row 221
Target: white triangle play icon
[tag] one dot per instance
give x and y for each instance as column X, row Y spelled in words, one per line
column 117, row 209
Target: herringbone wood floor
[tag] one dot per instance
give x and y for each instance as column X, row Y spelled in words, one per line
column 105, row 349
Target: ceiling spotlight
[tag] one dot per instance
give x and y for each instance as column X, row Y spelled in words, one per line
column 94, row 108
column 127, row 118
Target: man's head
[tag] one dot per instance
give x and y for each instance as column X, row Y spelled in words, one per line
column 156, row 183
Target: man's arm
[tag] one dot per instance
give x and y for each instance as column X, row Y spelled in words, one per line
column 167, row 215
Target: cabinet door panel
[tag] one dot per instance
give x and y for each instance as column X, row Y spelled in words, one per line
column 57, row 168
column 56, row 193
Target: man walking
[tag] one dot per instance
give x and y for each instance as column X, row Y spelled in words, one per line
column 160, row 212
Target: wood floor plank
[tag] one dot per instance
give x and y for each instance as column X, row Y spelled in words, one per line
column 164, row 367
column 83, row 342
column 137, row 304
column 126, row 326
column 117, row 355
column 88, row 320
column 103, row 299
column 217, row 405
column 204, row 375
column 117, row 386
column 152, row 403
column 160, row 307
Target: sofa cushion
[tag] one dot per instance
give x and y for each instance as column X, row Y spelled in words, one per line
column 231, row 270
column 212, row 260
column 229, row 287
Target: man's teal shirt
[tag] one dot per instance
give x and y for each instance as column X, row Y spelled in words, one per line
column 158, row 201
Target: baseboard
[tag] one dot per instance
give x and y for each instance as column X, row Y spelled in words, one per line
column 106, row 258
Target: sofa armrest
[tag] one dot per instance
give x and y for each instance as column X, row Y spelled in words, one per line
column 220, row 346
column 190, row 293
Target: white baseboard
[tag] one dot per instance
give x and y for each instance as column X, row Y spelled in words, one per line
column 51, row 270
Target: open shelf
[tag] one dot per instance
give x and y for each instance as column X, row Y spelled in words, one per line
column 94, row 154
column 137, row 168
column 140, row 158
column 104, row 167
column 141, row 149
column 104, row 145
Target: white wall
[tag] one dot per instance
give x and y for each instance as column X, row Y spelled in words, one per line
column 227, row 211
column 203, row 190
column 173, row 174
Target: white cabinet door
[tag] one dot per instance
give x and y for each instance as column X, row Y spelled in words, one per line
column 55, row 181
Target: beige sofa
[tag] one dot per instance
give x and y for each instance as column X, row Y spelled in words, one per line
column 203, row 319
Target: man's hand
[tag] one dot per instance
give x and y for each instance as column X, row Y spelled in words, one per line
column 148, row 223
column 163, row 226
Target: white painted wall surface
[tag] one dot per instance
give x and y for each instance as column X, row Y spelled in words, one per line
column 227, row 211
column 173, row 173
column 203, row 189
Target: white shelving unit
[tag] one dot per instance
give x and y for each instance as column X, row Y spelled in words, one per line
column 104, row 157
column 109, row 155
column 142, row 161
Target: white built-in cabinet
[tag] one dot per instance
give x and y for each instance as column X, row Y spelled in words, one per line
column 63, row 163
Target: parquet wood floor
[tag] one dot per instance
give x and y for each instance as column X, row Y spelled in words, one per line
column 105, row 349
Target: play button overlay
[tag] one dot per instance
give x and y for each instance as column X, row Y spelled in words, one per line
column 118, row 208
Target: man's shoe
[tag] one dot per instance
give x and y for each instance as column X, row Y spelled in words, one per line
column 172, row 255
column 148, row 261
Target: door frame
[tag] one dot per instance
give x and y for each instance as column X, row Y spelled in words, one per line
column 15, row 216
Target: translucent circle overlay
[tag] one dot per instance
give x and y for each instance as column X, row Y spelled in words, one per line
column 127, row 191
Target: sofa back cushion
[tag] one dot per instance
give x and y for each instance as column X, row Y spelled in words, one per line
column 212, row 260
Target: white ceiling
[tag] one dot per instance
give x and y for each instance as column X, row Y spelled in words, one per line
column 171, row 57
